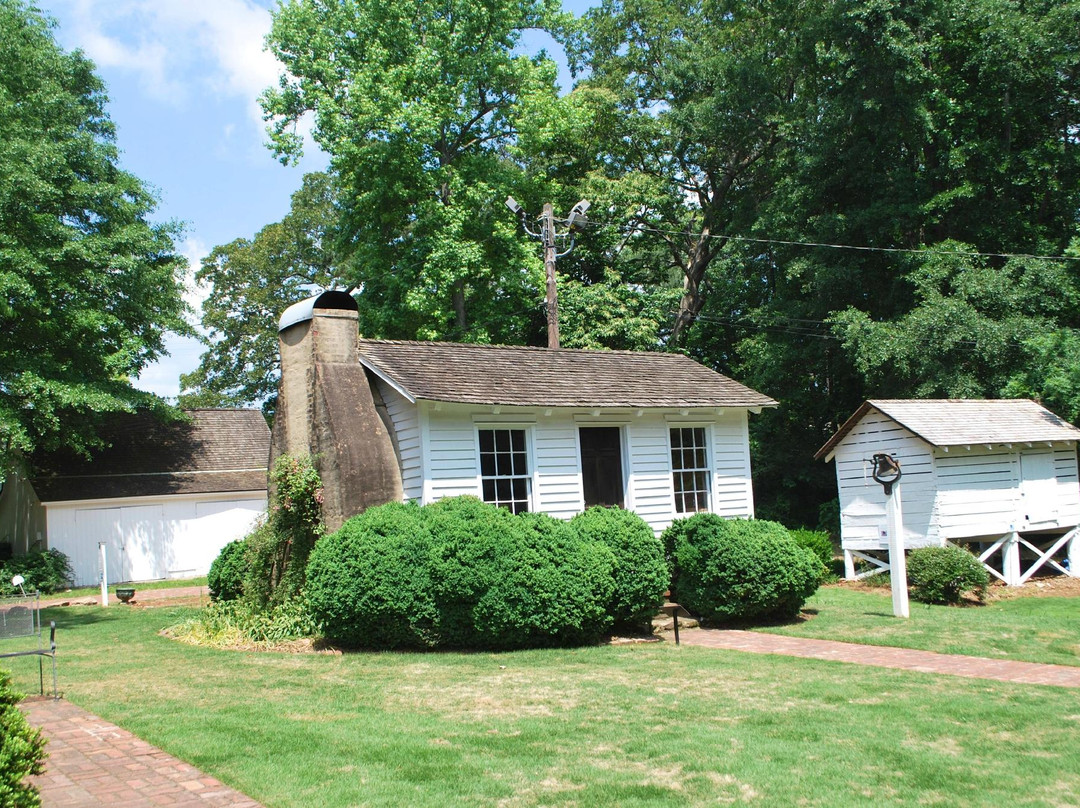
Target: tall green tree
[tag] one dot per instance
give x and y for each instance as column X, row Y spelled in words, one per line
column 702, row 93
column 251, row 282
column 88, row 285
column 417, row 104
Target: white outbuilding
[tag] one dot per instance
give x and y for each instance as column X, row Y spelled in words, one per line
column 999, row 476
column 163, row 497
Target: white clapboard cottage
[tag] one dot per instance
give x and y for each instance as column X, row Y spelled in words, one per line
column 998, row 475
column 527, row 428
column 164, row 497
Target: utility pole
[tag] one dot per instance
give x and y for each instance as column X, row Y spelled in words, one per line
column 549, row 238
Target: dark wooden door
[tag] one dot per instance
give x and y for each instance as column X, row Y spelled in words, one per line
column 601, row 465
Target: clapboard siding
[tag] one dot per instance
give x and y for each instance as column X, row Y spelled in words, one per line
column 733, row 493
column 650, row 489
column 862, row 500
column 557, row 489
column 406, row 421
column 450, row 456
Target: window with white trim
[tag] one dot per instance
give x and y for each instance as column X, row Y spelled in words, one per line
column 504, row 468
column 690, row 469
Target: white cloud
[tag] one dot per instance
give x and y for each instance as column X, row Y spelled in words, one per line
column 195, row 293
column 179, row 48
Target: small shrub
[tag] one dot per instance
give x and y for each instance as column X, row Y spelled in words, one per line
column 816, row 541
column 239, row 624
column 741, row 569
column 22, row 751
column 45, row 571
column 368, row 583
column 944, row 574
column 228, row 571
column 640, row 575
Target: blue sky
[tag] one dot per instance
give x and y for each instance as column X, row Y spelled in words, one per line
column 183, row 80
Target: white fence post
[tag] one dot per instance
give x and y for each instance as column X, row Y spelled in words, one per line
column 104, row 575
column 897, row 562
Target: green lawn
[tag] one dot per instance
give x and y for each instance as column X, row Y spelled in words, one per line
column 640, row 725
column 1033, row 629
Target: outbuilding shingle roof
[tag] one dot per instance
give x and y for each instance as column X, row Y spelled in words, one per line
column 216, row 451
column 544, row 377
column 959, row 422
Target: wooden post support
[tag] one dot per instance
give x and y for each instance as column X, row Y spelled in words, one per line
column 1010, row 560
column 849, row 565
column 897, row 563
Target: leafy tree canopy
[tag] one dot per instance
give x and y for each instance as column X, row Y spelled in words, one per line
column 88, row 286
column 252, row 282
column 417, row 104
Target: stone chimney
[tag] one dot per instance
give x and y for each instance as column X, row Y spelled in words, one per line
column 328, row 409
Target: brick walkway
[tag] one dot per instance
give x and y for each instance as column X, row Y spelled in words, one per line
column 94, row 763
column 1002, row 670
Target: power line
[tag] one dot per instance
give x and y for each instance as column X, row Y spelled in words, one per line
column 826, row 245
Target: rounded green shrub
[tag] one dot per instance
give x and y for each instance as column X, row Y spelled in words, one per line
column 740, row 569
column 368, row 583
column 640, row 575
column 552, row 588
column 228, row 571
column 817, row 542
column 944, row 574
column 22, row 750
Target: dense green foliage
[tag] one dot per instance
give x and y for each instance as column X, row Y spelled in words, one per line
column 740, row 569
column 459, row 574
column 44, row 571
column 945, row 574
column 22, row 751
column 278, row 548
column 817, row 542
column 417, row 103
column 225, row 580
column 88, row 287
column 261, row 277
column 641, row 574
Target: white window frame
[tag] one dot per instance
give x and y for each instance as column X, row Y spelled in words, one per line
column 678, row 500
column 527, row 475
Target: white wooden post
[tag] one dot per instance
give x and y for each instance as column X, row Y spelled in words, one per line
column 104, row 575
column 897, row 563
column 849, row 565
column 1010, row 560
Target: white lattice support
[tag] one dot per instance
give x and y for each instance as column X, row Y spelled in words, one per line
column 1044, row 558
column 993, row 548
column 879, row 565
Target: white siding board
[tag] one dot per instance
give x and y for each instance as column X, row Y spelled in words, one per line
column 405, row 417
column 557, row 490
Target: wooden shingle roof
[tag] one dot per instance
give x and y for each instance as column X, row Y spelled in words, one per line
column 959, row 422
column 217, row 451
column 544, row 377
